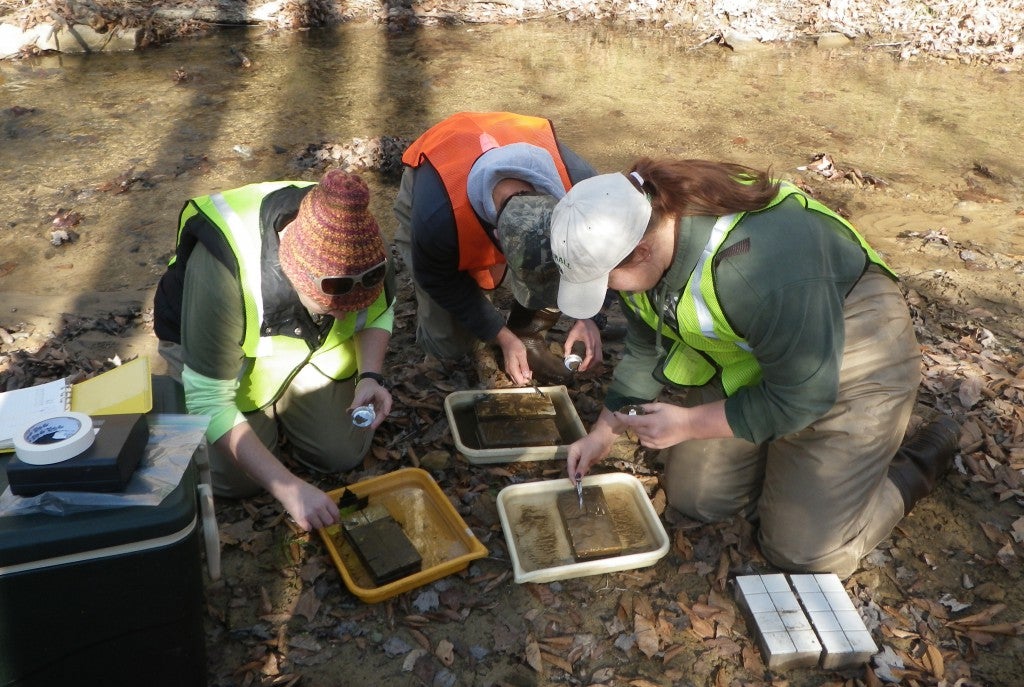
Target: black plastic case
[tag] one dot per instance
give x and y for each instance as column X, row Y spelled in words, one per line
column 105, row 466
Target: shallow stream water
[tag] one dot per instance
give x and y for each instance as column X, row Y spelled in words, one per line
column 187, row 118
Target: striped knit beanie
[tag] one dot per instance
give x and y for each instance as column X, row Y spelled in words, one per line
column 333, row 235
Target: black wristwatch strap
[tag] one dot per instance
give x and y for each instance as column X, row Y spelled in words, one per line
column 375, row 376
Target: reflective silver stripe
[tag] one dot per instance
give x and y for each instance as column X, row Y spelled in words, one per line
column 704, row 319
column 264, row 346
column 361, row 318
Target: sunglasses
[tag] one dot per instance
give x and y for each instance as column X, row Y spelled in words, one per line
column 339, row 286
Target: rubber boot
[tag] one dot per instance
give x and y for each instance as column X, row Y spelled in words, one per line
column 485, row 364
column 923, row 459
column 532, row 326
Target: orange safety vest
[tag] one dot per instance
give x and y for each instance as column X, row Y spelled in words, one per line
column 452, row 146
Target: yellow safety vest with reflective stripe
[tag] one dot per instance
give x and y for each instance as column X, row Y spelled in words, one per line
column 704, row 341
column 273, row 359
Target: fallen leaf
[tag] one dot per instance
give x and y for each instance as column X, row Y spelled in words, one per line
column 1018, row 530
column 533, row 657
column 312, row 569
column 666, row 626
column 505, row 638
column 426, row 600
column 980, row 638
column 410, row 659
column 557, row 643
column 935, row 661
column 702, row 628
column 306, row 642
column 646, row 635
column 556, row 661
column 982, row 618
column 1006, row 556
column 497, row 581
column 416, row 620
column 682, row 546
column 672, row 652
column 307, row 605
column 970, row 391
column 724, row 647
column 445, row 652
column 543, row 594
column 424, row 670
column 420, row 638
column 500, row 472
column 752, row 658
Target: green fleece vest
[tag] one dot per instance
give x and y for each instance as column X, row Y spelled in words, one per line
column 273, row 359
column 704, row 340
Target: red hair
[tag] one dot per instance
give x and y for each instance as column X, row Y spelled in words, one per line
column 704, row 187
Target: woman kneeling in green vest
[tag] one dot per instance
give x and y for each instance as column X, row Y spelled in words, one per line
column 275, row 314
column 792, row 342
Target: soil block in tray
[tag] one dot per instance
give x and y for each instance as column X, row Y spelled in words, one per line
column 591, row 529
column 508, row 421
column 513, row 406
column 382, row 546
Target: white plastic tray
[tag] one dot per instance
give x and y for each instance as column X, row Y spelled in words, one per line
column 458, row 406
column 539, row 546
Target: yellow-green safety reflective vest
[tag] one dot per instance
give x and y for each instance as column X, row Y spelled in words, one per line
column 274, row 359
column 704, row 338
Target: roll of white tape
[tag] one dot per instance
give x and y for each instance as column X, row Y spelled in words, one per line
column 54, row 439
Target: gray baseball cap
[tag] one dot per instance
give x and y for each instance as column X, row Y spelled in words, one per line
column 524, row 232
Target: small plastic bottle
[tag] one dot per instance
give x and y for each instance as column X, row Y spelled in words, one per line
column 363, row 416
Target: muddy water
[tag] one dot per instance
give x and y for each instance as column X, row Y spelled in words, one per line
column 123, row 140
column 431, row 532
column 538, row 533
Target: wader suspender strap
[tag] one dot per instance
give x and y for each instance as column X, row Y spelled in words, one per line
column 704, row 318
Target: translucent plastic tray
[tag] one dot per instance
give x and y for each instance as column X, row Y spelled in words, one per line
column 427, row 518
column 462, row 420
column 539, row 545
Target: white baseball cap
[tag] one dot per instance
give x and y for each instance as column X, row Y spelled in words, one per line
column 593, row 228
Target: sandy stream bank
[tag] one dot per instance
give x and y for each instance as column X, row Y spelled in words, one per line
column 968, row 31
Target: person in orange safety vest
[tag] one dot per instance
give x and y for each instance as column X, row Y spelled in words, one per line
column 473, row 212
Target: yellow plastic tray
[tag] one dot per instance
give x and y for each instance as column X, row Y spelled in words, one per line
column 427, row 517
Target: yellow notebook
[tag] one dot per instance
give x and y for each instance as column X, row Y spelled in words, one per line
column 125, row 389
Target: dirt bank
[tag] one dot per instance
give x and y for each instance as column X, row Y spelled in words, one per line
column 971, row 30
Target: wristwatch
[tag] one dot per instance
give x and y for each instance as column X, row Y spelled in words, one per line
column 375, row 376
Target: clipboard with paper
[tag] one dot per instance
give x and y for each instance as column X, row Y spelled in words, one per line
column 124, row 389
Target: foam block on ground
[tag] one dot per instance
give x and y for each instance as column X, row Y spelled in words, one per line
column 804, row 621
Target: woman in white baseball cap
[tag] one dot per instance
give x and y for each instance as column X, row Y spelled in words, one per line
column 789, row 338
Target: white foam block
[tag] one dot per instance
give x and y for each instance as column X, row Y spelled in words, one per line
column 844, row 637
column 777, row 622
column 804, row 620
